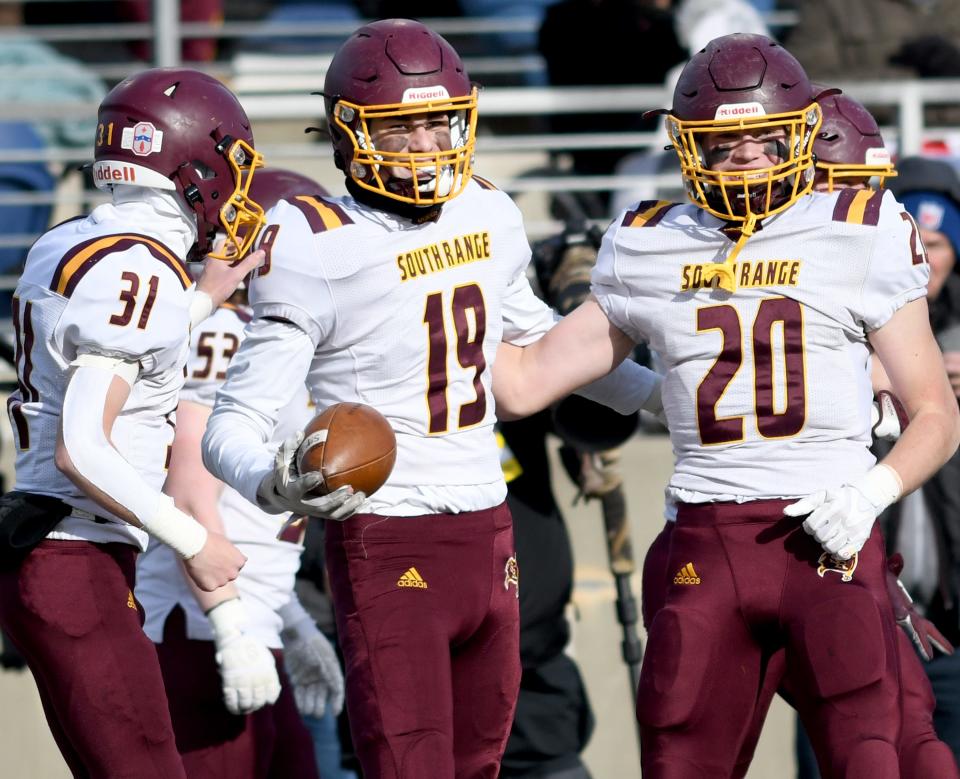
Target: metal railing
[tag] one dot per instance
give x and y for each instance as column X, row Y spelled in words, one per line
column 276, row 89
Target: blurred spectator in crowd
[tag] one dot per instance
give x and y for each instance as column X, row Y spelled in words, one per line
column 604, row 42
column 35, row 74
column 696, row 22
column 515, row 44
column 410, row 9
column 925, row 526
column 192, row 49
column 309, row 12
column 846, row 40
column 65, row 13
column 20, row 223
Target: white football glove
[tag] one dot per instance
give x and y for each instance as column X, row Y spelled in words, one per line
column 248, row 670
column 284, row 489
column 311, row 662
column 841, row 518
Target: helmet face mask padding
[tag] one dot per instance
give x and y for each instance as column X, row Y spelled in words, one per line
column 182, row 130
column 744, row 84
column 400, row 69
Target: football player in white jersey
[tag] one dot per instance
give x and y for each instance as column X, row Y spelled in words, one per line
column 234, row 709
column 102, row 314
column 761, row 298
column 398, row 296
column 849, row 152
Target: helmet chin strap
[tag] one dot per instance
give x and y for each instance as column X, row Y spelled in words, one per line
column 416, row 214
column 725, row 273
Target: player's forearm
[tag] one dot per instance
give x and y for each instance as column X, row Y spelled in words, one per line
column 192, row 487
column 928, row 442
column 264, row 376
column 236, row 452
column 582, row 348
column 208, row 600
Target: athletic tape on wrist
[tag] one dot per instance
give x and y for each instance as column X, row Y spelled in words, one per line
column 179, row 531
column 201, row 306
column 882, row 486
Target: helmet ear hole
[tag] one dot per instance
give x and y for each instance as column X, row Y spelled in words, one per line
column 205, row 172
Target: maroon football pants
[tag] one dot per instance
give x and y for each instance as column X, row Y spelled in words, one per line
column 744, row 586
column 922, row 754
column 69, row 609
column 270, row 743
column 428, row 621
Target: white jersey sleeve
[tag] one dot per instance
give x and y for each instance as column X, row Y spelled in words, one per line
column 606, row 285
column 898, row 270
column 132, row 304
column 525, row 316
column 288, row 286
column 248, row 407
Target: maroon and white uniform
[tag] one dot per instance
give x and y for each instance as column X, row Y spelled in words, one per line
column 405, row 317
column 267, row 578
column 94, row 286
column 271, row 741
column 768, row 396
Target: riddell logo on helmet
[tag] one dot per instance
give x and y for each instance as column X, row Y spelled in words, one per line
column 422, row 94
column 877, row 157
column 737, row 110
column 121, row 173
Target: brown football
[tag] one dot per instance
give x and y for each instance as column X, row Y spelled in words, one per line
column 349, row 443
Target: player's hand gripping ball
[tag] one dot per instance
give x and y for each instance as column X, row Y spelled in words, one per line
column 349, row 444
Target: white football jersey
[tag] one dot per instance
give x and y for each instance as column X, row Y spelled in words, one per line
column 267, row 578
column 406, row 318
column 93, row 285
column 767, row 389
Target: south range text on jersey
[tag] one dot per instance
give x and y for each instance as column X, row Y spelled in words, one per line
column 750, row 273
column 443, row 255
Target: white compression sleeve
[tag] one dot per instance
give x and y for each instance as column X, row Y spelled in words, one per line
column 626, row 389
column 91, row 451
column 264, row 375
column 105, row 468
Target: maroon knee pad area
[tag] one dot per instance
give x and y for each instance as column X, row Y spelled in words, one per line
column 69, row 607
column 428, row 619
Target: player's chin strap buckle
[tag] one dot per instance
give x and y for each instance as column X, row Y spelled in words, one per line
column 830, row 564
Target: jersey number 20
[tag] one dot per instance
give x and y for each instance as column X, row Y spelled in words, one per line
column 771, row 421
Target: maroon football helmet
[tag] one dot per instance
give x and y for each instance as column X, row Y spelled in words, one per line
column 272, row 185
column 182, row 130
column 399, row 68
column 744, row 83
column 849, row 145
